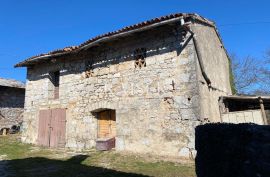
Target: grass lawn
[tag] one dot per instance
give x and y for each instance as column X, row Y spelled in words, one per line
column 29, row 161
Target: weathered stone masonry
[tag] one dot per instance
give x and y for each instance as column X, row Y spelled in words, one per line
column 157, row 106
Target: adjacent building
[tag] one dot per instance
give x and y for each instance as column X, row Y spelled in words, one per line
column 245, row 109
column 12, row 94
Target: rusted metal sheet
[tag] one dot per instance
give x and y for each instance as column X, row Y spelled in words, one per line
column 43, row 128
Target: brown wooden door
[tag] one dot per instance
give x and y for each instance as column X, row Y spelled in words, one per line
column 52, row 128
column 58, row 128
column 106, row 124
column 43, row 128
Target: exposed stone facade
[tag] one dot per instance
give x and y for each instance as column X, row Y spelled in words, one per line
column 157, row 106
column 11, row 106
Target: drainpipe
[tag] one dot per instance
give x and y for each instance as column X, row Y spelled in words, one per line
column 200, row 61
column 198, row 51
column 263, row 111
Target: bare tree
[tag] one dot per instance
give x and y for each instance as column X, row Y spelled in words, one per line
column 246, row 74
column 265, row 82
column 251, row 76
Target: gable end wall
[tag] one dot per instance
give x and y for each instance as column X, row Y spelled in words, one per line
column 216, row 65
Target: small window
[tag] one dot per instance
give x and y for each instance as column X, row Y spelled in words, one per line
column 88, row 69
column 139, row 56
column 55, row 79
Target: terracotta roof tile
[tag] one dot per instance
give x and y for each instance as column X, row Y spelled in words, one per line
column 125, row 29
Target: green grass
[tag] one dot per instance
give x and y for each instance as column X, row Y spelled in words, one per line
column 30, row 161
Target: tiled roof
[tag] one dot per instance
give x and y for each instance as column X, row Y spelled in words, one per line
column 11, row 83
column 110, row 34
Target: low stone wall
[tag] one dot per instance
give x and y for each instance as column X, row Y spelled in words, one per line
column 238, row 150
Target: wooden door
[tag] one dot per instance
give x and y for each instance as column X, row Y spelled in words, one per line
column 58, row 130
column 44, row 128
column 52, row 128
column 106, row 124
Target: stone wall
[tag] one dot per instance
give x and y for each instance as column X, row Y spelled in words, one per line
column 157, row 106
column 216, row 65
column 11, row 106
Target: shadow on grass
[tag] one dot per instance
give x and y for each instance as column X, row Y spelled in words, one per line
column 43, row 167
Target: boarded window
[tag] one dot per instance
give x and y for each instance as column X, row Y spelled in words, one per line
column 139, row 56
column 106, row 124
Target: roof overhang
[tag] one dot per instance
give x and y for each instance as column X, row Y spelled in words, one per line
column 114, row 35
column 245, row 97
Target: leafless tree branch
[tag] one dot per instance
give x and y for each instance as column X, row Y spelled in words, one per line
column 252, row 76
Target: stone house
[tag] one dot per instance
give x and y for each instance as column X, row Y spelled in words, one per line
column 147, row 85
column 12, row 95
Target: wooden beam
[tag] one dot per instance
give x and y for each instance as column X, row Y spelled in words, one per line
column 263, row 111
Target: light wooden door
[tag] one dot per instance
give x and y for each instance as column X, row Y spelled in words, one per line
column 106, row 124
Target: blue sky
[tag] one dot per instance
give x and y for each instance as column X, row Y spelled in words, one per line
column 31, row 27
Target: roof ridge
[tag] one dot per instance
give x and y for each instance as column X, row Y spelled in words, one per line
column 116, row 32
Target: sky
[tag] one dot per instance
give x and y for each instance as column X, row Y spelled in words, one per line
column 31, row 27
